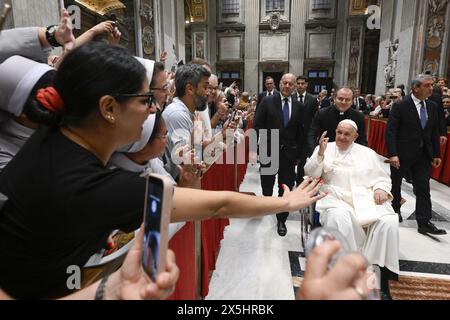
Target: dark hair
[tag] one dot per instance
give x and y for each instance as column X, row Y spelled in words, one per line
column 91, row 72
column 303, row 78
column 347, row 89
column 200, row 62
column 269, row 78
column 157, row 69
column 159, row 120
column 34, row 111
column 189, row 74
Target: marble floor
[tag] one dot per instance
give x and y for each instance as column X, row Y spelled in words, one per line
column 256, row 264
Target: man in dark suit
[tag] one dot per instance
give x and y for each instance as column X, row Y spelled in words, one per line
column 311, row 107
column 329, row 118
column 269, row 83
column 324, row 101
column 280, row 115
column 436, row 97
column 359, row 104
column 412, row 138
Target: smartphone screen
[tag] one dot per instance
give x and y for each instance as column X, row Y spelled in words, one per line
column 152, row 225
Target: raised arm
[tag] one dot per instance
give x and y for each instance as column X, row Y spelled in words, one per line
column 314, row 166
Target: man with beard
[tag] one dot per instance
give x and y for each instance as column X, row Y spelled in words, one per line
column 191, row 83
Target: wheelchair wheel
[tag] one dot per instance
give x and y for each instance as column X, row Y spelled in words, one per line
column 305, row 227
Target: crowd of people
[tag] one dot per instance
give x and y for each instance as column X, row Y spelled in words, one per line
column 77, row 130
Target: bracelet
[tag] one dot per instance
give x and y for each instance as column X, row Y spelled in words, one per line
column 99, row 294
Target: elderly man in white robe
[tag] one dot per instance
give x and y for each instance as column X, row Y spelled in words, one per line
column 358, row 201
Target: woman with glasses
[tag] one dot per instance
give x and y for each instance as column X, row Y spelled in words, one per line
column 64, row 201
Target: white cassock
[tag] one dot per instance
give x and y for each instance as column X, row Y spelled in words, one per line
column 351, row 179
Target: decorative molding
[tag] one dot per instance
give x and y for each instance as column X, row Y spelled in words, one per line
column 284, row 16
column 147, row 23
column 102, row 7
column 354, row 60
column 390, row 69
column 434, row 36
column 199, row 45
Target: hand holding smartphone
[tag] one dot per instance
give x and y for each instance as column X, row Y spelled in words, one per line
column 157, row 209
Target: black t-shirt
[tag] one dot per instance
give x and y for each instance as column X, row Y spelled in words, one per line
column 63, row 203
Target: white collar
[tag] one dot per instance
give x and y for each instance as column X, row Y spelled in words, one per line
column 17, row 130
column 120, row 160
column 289, row 98
column 416, row 101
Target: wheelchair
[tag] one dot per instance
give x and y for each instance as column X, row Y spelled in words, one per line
column 310, row 220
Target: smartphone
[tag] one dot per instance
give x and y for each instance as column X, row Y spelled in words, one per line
column 233, row 115
column 157, row 208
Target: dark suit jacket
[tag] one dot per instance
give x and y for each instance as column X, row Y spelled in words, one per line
column 326, row 103
column 404, row 134
column 328, row 120
column 311, row 109
column 270, row 117
column 362, row 105
column 262, row 95
column 437, row 98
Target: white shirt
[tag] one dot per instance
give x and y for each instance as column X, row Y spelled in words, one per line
column 271, row 93
column 419, row 106
column 290, row 105
column 206, row 122
column 301, row 97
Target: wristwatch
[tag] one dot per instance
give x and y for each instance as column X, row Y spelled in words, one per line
column 50, row 36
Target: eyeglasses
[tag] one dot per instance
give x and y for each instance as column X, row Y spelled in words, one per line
column 148, row 95
column 163, row 137
column 163, row 88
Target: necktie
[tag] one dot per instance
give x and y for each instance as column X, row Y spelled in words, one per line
column 270, row 93
column 423, row 115
column 286, row 112
column 301, row 98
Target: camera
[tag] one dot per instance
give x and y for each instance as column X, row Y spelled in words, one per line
column 231, row 100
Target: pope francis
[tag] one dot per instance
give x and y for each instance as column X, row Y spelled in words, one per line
column 358, row 201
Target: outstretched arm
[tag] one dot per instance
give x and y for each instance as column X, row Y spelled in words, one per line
column 190, row 205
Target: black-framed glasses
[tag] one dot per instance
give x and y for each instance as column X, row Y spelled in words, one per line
column 149, row 95
column 163, row 88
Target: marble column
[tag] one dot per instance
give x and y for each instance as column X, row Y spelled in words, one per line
column 340, row 72
column 445, row 58
column 212, row 34
column 387, row 14
column 408, row 42
column 251, row 69
column 180, row 46
column 27, row 13
column 166, row 26
column 297, row 41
